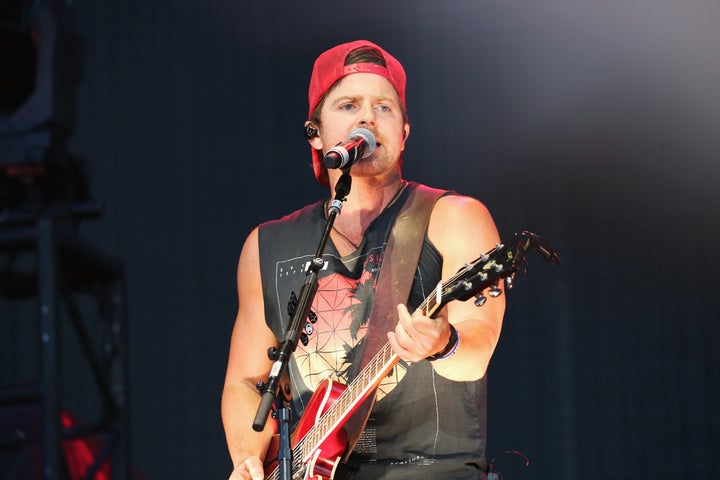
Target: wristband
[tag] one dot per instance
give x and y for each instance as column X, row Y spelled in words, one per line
column 450, row 348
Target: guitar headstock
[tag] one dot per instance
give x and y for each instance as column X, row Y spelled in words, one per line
column 486, row 272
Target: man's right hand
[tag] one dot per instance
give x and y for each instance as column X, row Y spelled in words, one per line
column 250, row 469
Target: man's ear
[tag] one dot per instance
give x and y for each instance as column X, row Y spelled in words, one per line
column 406, row 134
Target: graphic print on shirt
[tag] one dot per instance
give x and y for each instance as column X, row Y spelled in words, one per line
column 342, row 305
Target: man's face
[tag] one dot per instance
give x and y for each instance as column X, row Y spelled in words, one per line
column 369, row 101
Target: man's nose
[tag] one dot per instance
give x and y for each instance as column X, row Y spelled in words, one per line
column 366, row 115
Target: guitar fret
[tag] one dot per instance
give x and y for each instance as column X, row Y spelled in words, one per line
column 428, row 307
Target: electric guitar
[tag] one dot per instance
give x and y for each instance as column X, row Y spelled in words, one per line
column 319, row 440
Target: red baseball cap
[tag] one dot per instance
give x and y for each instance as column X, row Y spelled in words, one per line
column 330, row 67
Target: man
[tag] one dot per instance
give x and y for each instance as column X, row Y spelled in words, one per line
column 428, row 420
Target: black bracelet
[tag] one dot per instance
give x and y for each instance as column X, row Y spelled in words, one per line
column 449, row 349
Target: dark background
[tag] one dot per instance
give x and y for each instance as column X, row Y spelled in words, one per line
column 594, row 124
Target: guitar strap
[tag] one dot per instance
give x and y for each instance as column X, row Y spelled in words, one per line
column 397, row 272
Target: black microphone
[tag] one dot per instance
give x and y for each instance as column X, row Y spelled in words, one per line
column 360, row 144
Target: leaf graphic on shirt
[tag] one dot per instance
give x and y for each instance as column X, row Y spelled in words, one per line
column 363, row 293
column 351, row 356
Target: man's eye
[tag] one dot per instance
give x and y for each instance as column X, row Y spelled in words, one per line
column 384, row 108
column 347, row 106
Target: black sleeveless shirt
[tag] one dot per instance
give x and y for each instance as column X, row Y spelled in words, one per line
column 422, row 425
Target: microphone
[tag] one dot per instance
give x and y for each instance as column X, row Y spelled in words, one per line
column 360, row 144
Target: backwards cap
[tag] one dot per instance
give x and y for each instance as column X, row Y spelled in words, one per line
column 330, row 67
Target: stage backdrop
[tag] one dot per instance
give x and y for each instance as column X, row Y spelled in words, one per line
column 595, row 124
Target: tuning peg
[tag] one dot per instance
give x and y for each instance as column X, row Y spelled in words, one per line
column 494, row 291
column 312, row 316
column 304, row 339
column 509, row 283
column 480, row 300
column 272, row 353
column 308, row 328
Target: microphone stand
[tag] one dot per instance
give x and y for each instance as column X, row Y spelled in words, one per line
column 270, row 392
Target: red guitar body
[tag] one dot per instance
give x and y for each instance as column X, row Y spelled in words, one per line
column 322, row 462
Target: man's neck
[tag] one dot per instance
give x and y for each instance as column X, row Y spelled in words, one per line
column 366, row 200
column 372, row 194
